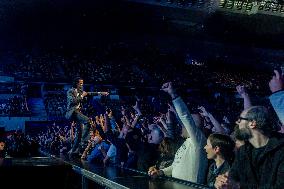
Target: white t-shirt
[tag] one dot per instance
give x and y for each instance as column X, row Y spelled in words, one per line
column 184, row 166
column 190, row 162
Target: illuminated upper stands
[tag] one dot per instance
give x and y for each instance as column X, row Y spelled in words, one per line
column 243, row 7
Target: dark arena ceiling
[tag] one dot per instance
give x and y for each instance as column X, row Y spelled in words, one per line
column 25, row 23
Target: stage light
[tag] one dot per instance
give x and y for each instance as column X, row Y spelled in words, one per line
column 230, row 4
column 222, row 3
column 239, row 5
column 249, row 6
column 275, row 7
column 181, row 2
column 282, row 9
column 200, row 3
column 267, row 6
column 261, row 5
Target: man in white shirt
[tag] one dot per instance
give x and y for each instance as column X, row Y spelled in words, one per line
column 190, row 162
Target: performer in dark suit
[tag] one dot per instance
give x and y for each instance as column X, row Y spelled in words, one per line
column 75, row 96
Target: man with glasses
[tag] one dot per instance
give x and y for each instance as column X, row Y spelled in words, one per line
column 260, row 162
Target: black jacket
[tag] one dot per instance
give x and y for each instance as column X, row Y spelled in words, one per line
column 213, row 172
column 73, row 100
column 269, row 170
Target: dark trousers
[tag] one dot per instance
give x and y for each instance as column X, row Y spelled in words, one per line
column 82, row 131
column 131, row 161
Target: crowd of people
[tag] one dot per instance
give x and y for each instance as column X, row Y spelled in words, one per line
column 212, row 126
column 55, row 105
column 120, row 64
column 171, row 137
column 14, row 106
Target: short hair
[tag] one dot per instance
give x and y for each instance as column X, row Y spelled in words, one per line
column 76, row 81
column 225, row 143
column 263, row 118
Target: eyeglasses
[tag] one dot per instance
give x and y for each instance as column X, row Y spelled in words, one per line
column 242, row 118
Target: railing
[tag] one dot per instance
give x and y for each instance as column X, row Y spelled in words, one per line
column 135, row 178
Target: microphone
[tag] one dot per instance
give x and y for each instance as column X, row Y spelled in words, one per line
column 93, row 93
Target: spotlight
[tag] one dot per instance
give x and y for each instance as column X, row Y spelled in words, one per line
column 261, row 5
column 230, row 4
column 239, row 5
column 222, row 3
column 282, row 9
column 275, row 7
column 249, row 6
column 200, row 3
column 267, row 6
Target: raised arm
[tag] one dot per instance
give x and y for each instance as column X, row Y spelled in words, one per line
column 72, row 128
column 123, row 112
column 243, row 93
column 213, row 120
column 167, row 124
column 183, row 113
column 163, row 126
column 276, row 86
column 98, row 93
column 106, row 123
column 137, row 109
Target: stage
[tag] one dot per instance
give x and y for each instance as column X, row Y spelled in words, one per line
column 62, row 172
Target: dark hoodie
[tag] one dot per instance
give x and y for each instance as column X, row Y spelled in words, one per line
column 268, row 169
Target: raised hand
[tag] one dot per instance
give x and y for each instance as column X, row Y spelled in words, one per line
column 97, row 120
column 203, row 111
column 171, row 108
column 241, row 90
column 73, row 124
column 243, row 93
column 276, row 83
column 168, row 88
column 122, row 110
column 161, row 118
column 136, row 106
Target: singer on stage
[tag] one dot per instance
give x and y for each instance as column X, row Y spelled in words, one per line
column 75, row 96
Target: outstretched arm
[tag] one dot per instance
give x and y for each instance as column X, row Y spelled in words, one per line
column 98, row 93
